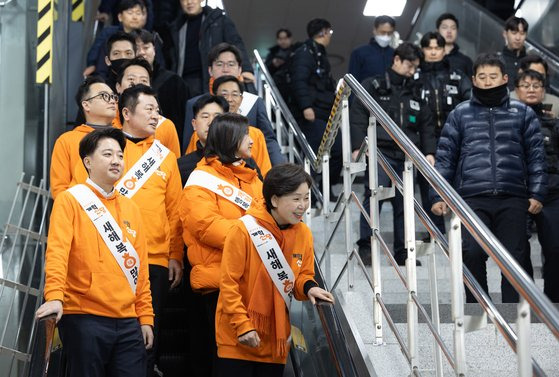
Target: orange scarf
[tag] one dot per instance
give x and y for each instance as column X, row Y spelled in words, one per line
column 266, row 307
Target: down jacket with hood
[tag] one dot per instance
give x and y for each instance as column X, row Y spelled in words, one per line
column 493, row 150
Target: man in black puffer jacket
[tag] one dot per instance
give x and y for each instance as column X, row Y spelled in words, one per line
column 491, row 151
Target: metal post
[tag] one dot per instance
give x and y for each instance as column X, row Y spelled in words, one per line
column 308, row 212
column 457, row 298
column 46, row 132
column 326, row 211
column 279, row 127
column 435, row 316
column 375, row 225
column 268, row 100
column 291, row 146
column 409, row 231
column 523, row 342
column 346, row 156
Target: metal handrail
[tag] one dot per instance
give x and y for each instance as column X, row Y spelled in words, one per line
column 539, row 303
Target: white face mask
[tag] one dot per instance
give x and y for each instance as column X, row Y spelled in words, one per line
column 383, row 40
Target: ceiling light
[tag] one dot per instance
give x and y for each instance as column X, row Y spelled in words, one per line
column 392, row 8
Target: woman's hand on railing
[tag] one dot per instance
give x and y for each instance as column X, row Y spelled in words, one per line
column 439, row 208
column 147, row 334
column 48, row 308
column 319, row 293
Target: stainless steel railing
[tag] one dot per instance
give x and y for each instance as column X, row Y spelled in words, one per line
column 531, row 297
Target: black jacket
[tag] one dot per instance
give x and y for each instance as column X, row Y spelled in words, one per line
column 493, row 151
column 511, row 59
column 172, row 94
column 442, row 89
column 459, row 61
column 550, row 133
column 400, row 97
column 311, row 83
column 216, row 28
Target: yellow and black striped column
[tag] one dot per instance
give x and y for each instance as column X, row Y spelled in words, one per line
column 44, row 41
column 78, row 10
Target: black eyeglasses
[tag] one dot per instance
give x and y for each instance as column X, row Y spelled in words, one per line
column 107, row 97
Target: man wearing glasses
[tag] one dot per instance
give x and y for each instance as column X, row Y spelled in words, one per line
column 98, row 104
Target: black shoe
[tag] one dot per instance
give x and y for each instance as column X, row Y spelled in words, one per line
column 364, row 251
column 401, row 260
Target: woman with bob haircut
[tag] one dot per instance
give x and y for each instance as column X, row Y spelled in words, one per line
column 218, row 192
column 267, row 259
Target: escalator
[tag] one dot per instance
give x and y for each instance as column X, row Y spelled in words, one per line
column 481, row 31
column 323, row 343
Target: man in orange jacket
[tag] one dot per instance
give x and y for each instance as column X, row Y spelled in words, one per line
column 96, row 268
column 138, row 71
column 98, row 104
column 152, row 180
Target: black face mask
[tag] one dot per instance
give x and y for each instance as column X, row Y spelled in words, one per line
column 491, row 97
column 116, row 65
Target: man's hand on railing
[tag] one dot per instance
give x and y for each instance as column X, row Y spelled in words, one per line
column 48, row 308
column 319, row 293
column 431, row 159
column 248, row 77
column 439, row 208
column 308, row 113
column 147, row 334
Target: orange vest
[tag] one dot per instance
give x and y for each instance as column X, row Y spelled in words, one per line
column 207, row 217
column 82, row 272
column 259, row 150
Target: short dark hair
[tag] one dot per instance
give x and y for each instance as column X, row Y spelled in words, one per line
column 83, row 90
column 129, row 98
column 220, row 49
column 89, row 143
column 119, row 36
column 144, row 35
column 283, row 179
column 525, row 62
column 225, row 135
column 283, row 30
column 381, row 20
column 206, row 99
column 513, row 22
column 447, row 16
column 129, row 4
column 531, row 74
column 407, row 51
column 492, row 59
column 315, row 26
column 223, row 79
column 134, row 61
column 427, row 37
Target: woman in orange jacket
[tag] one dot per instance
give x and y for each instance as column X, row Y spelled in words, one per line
column 218, row 192
column 267, row 258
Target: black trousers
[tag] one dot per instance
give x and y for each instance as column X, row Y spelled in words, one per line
column 246, row 368
column 102, row 347
column 506, row 217
column 159, row 285
column 210, row 304
column 547, row 222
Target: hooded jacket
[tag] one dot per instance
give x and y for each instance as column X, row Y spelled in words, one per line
column 493, row 150
column 80, row 269
column 240, row 270
column 207, row 218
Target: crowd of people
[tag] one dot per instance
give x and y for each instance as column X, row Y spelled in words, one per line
column 174, row 172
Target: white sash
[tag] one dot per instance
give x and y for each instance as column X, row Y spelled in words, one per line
column 138, row 175
column 248, row 102
column 220, row 187
column 272, row 256
column 122, row 250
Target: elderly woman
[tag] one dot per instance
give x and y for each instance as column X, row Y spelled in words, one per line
column 267, row 259
column 218, row 192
